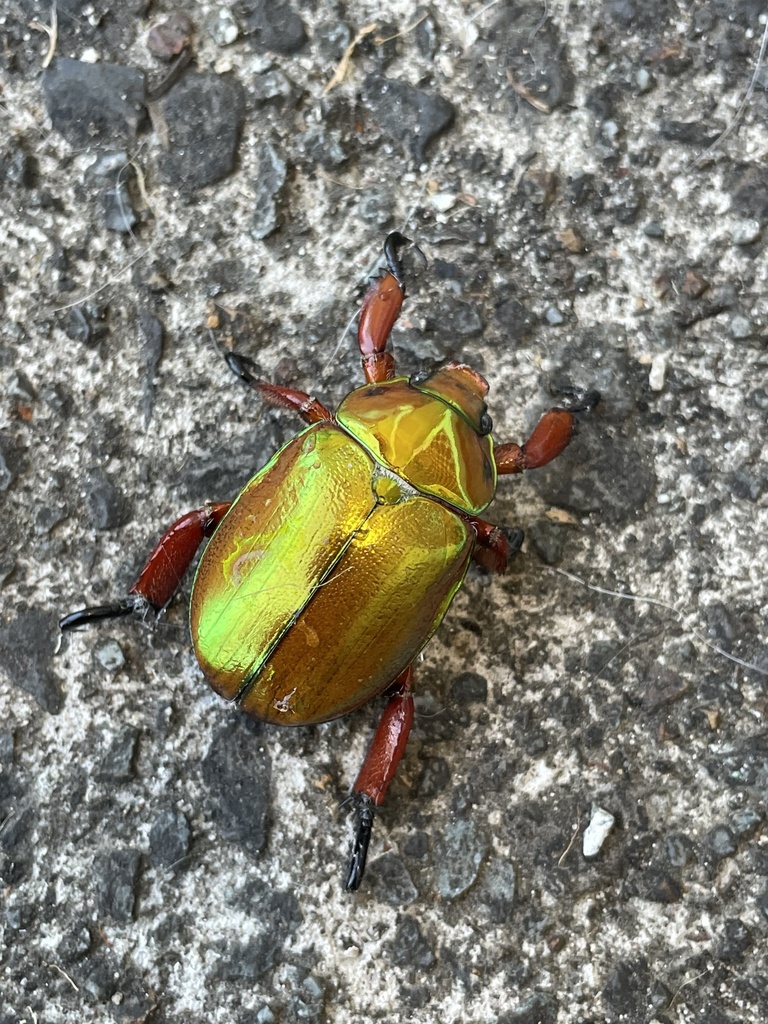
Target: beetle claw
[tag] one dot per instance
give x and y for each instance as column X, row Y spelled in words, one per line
column 242, row 367
column 578, row 400
column 126, row 606
column 393, row 243
column 362, row 839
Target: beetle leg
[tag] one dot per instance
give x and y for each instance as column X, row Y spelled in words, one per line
column 495, row 545
column 161, row 576
column 378, row 769
column 378, row 313
column 550, row 437
column 310, row 410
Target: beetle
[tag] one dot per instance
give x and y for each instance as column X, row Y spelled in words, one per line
column 329, row 572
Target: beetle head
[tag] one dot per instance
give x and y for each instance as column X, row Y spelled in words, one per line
column 462, row 388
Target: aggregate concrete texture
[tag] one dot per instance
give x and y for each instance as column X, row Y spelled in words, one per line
column 577, row 832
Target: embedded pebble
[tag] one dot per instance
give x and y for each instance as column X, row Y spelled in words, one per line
column 658, row 370
column 644, row 80
column 169, row 838
column 597, row 831
column 116, row 876
column 460, row 851
column 110, row 656
column 267, row 186
column 169, row 37
column 94, row 104
column 443, row 201
column 204, row 114
column 745, row 232
column 653, row 229
column 554, row 317
column 273, row 27
column 403, row 114
column 107, row 165
column 116, row 206
column 741, row 327
column 223, row 27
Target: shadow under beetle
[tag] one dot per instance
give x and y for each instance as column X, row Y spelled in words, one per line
column 326, row 576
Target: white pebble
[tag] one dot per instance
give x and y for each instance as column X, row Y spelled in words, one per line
column 443, row 201
column 658, row 369
column 597, row 831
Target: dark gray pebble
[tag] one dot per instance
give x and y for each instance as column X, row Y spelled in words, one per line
column 411, row 117
column 169, row 838
column 266, row 190
column 117, row 877
column 106, row 503
column 117, row 764
column 271, row 25
column 409, row 945
column 27, row 643
column 459, row 852
column 94, row 104
column 203, row 114
column 390, row 881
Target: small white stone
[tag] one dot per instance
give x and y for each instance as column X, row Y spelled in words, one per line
column 89, row 56
column 658, row 369
column 741, row 327
column 597, row 831
column 223, row 28
column 443, row 201
column 644, row 80
column 745, row 232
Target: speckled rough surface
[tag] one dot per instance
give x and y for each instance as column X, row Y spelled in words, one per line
column 163, row 860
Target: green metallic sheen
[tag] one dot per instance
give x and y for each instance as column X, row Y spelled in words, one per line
column 283, row 533
column 369, row 618
column 425, row 440
column 337, row 562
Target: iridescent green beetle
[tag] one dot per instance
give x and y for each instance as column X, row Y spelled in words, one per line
column 327, row 575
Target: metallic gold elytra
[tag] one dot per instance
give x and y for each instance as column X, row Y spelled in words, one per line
column 281, row 536
column 336, row 564
column 369, row 619
column 424, row 440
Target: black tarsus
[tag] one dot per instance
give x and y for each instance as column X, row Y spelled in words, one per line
column 364, row 806
column 239, row 366
column 515, row 537
column 578, row 399
column 126, row 606
column 393, row 243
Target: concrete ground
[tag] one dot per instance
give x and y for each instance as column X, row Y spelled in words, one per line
column 577, row 832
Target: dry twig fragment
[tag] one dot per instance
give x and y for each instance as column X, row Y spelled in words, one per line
column 342, row 67
column 52, row 31
column 527, row 95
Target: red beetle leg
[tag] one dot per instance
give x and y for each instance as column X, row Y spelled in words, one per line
column 380, row 309
column 310, row 410
column 494, row 546
column 161, row 576
column 550, row 437
column 379, row 767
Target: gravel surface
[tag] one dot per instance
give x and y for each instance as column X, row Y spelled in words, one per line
column 577, row 832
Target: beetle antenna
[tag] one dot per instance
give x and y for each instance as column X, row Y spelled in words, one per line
column 362, row 839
